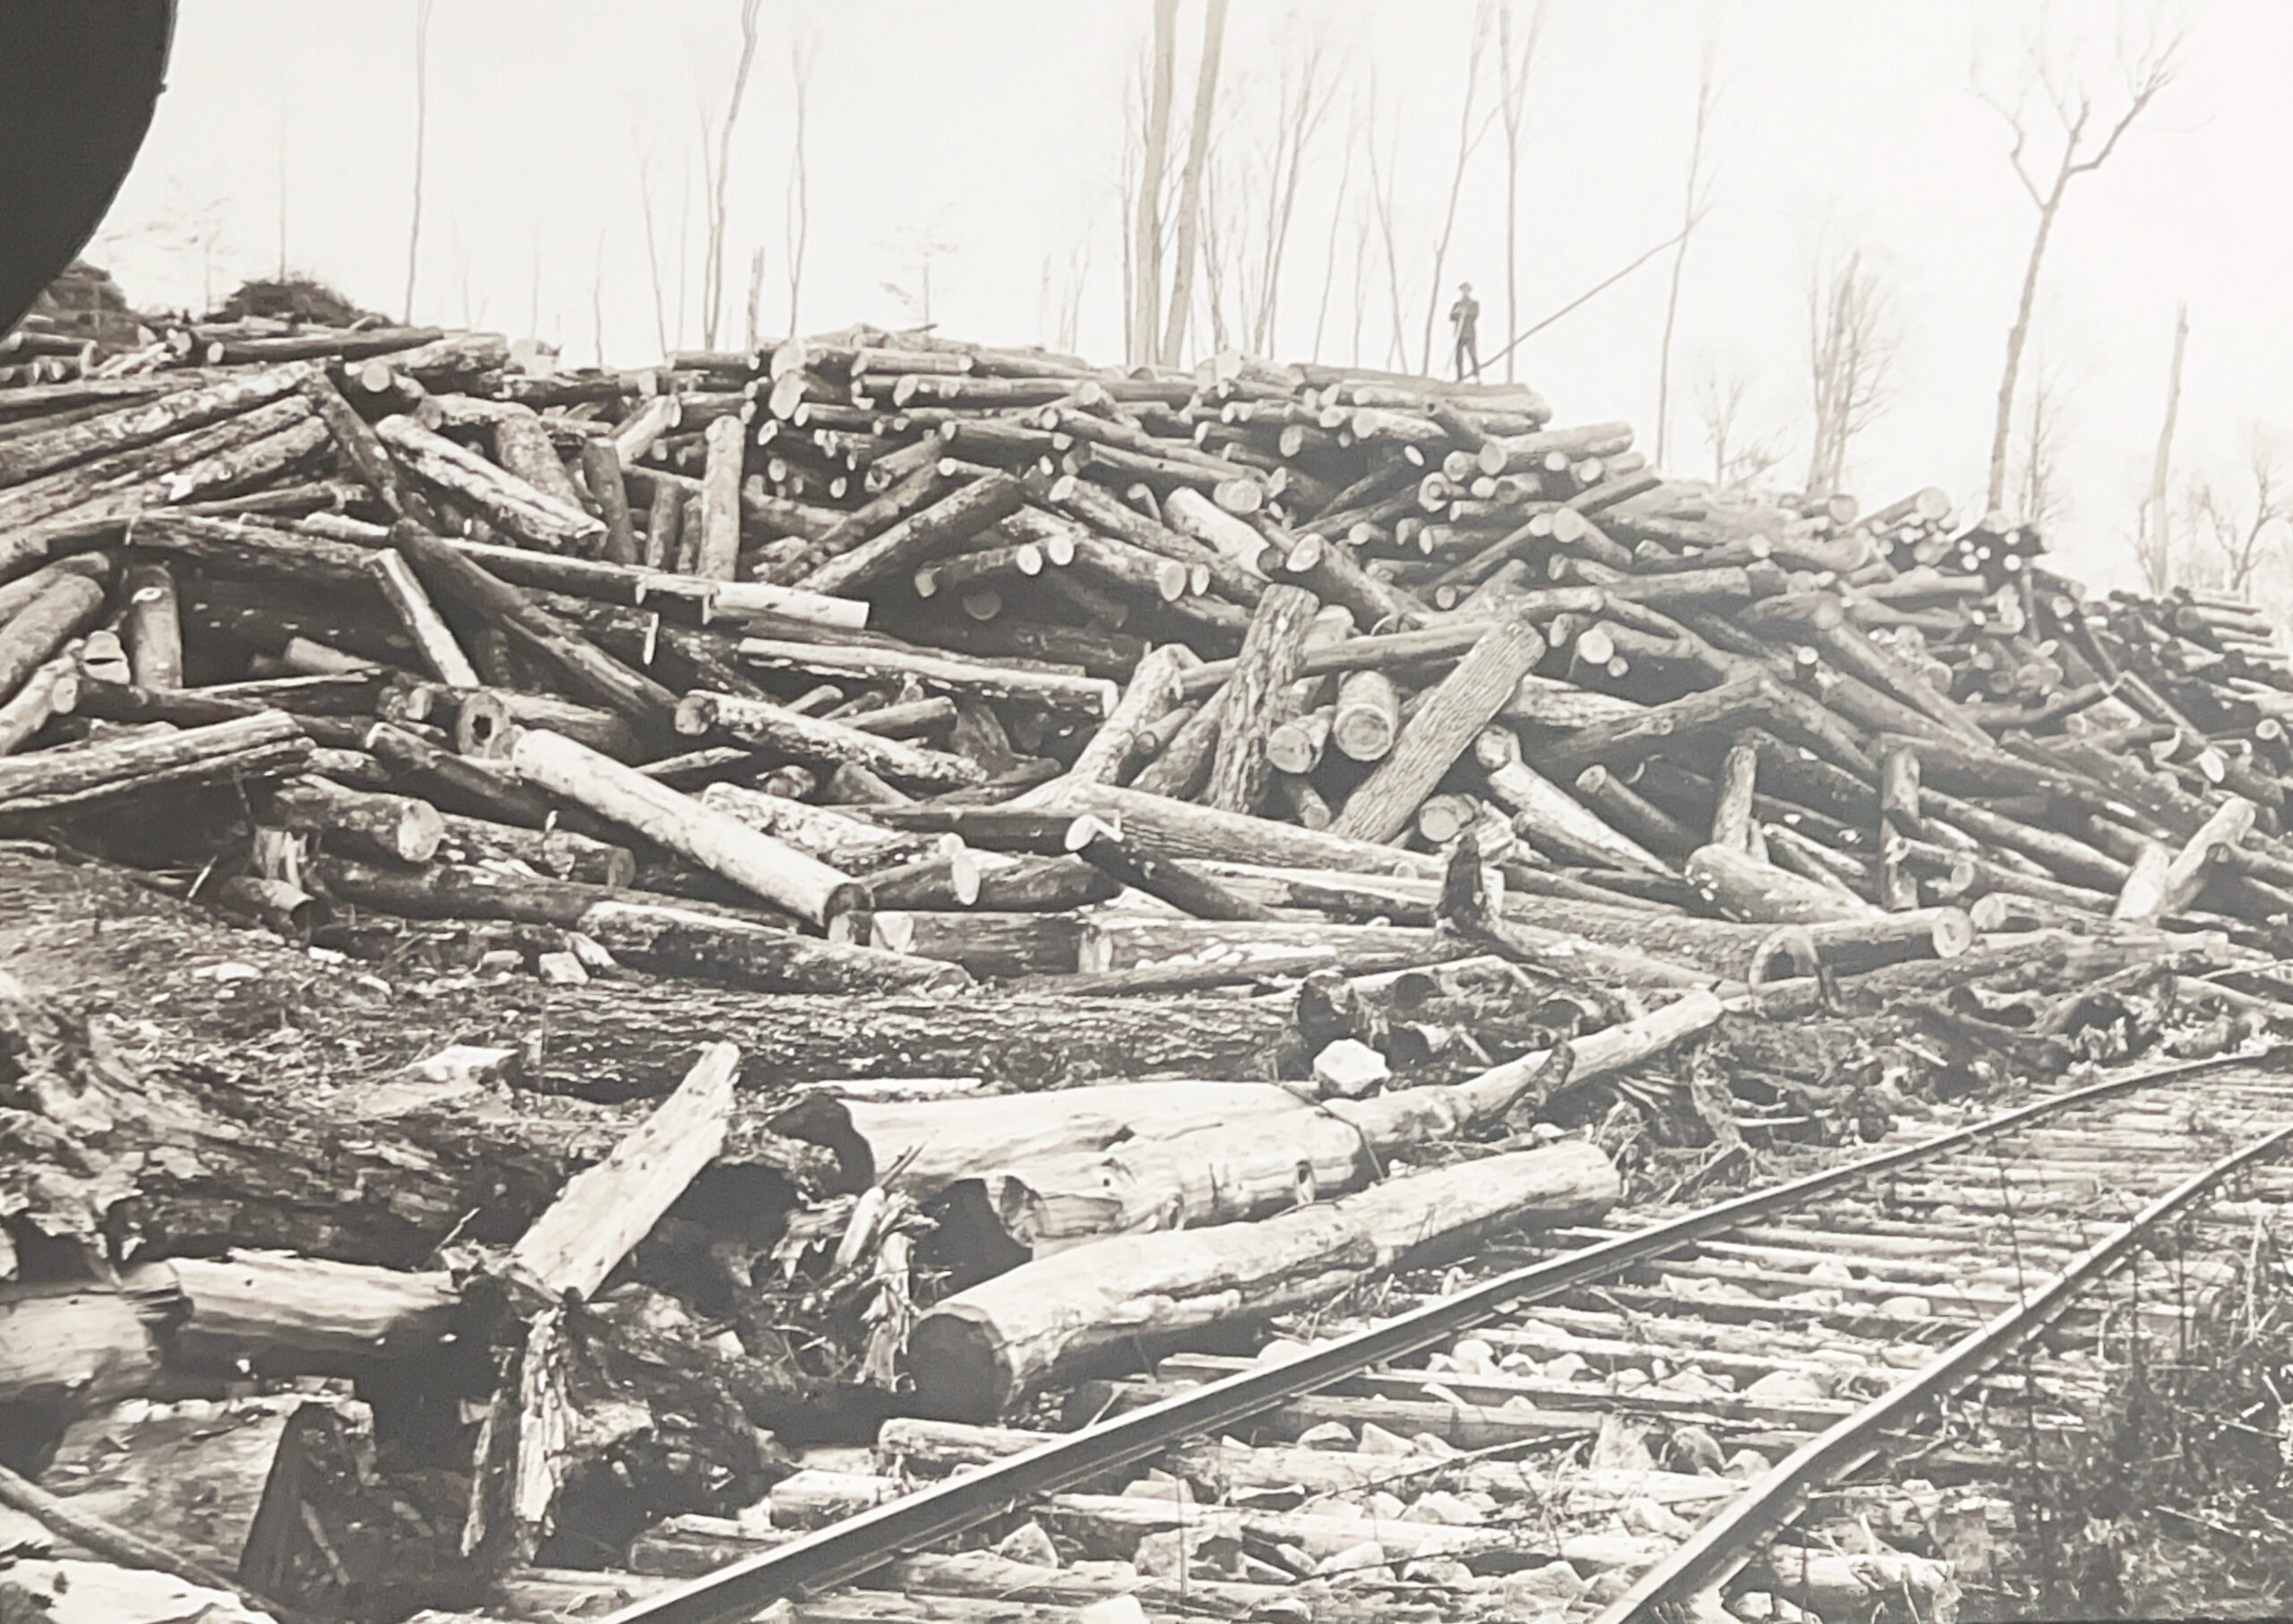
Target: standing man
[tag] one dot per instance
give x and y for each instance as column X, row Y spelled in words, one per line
column 1464, row 316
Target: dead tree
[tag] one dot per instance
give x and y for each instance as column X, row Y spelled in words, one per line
column 2038, row 494
column 1694, row 202
column 652, row 255
column 2153, row 543
column 1197, row 154
column 421, row 141
column 712, row 296
column 1513, row 83
column 1308, row 88
column 2070, row 104
column 1469, row 134
column 796, row 210
column 1336, row 219
column 1851, row 355
column 1147, row 231
column 2242, row 540
column 1738, row 458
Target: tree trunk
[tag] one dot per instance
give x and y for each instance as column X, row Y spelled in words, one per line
column 1440, row 730
column 977, row 1353
column 1171, row 351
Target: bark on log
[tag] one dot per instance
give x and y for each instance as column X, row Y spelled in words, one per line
column 747, row 953
column 1442, row 727
column 607, row 1208
column 1746, row 888
column 817, row 741
column 1176, row 829
column 852, row 844
column 395, row 829
column 1263, row 672
column 1553, row 820
column 67, row 604
column 978, row 1352
column 1094, row 696
column 720, row 503
column 153, row 628
column 268, row 744
column 432, row 637
column 1368, row 718
column 772, row 869
column 920, row 538
column 508, row 502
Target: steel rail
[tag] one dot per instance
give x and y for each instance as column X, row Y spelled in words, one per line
column 846, row 1550
column 1771, row 1500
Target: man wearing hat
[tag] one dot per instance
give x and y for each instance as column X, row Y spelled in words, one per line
column 1464, row 316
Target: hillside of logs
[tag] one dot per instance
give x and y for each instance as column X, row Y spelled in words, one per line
column 575, row 941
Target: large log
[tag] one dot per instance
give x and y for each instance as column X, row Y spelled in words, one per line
column 29, row 456
column 512, row 504
column 977, row 1353
column 818, row 741
column 1267, row 664
column 920, row 538
column 748, row 953
column 771, row 869
column 266, row 746
column 1440, row 730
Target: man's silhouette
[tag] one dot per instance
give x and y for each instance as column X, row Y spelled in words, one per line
column 1464, row 316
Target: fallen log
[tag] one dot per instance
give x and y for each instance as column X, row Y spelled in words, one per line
column 975, row 1354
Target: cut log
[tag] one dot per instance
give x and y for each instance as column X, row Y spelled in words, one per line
column 977, row 1353
column 1899, row 822
column 1439, row 731
column 920, row 538
column 846, row 842
column 433, row 638
column 1367, row 719
column 508, row 502
column 1268, row 663
column 1185, row 889
column 65, row 606
column 1551, row 820
column 395, row 829
column 720, row 503
column 1746, row 888
column 266, row 746
column 590, row 671
column 152, row 625
column 778, row 872
column 818, row 741
column 745, row 953
column 609, row 1208
column 1095, row 696
column 1166, row 827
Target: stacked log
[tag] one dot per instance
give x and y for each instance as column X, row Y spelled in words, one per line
column 910, row 725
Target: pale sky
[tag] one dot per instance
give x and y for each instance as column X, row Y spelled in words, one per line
column 989, row 135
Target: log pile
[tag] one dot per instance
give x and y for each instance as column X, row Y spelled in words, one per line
column 777, row 771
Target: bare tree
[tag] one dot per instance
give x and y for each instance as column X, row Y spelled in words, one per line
column 598, row 302
column 712, row 271
column 1694, row 203
column 1197, row 152
column 2083, row 144
column 653, row 253
column 1309, row 86
column 1738, row 457
column 1469, row 134
column 2153, row 542
column 2038, row 492
column 2242, row 540
column 1382, row 178
column 1851, row 345
column 1360, row 284
column 1336, row 219
column 421, row 141
column 796, row 206
column 1147, row 232
column 756, row 299
column 1513, row 85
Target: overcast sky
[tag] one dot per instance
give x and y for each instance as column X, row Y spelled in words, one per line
column 987, row 137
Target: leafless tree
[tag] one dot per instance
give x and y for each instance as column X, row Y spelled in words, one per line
column 797, row 205
column 1470, row 131
column 1382, row 180
column 1309, row 86
column 756, row 299
column 2153, row 542
column 712, row 271
column 1513, row 66
column 1336, row 219
column 1360, row 283
column 918, row 247
column 2238, row 540
column 2038, row 491
column 653, row 253
column 1851, row 345
column 2053, row 107
column 421, row 141
column 598, row 302
column 1216, row 244
column 1695, row 201
column 1146, row 242
column 1198, row 153
column 1740, row 458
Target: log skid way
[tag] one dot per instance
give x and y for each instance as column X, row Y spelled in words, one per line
column 601, row 970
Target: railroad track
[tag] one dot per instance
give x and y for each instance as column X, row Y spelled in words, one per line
column 1624, row 1424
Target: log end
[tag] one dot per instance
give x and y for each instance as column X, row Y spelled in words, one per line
column 962, row 1370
